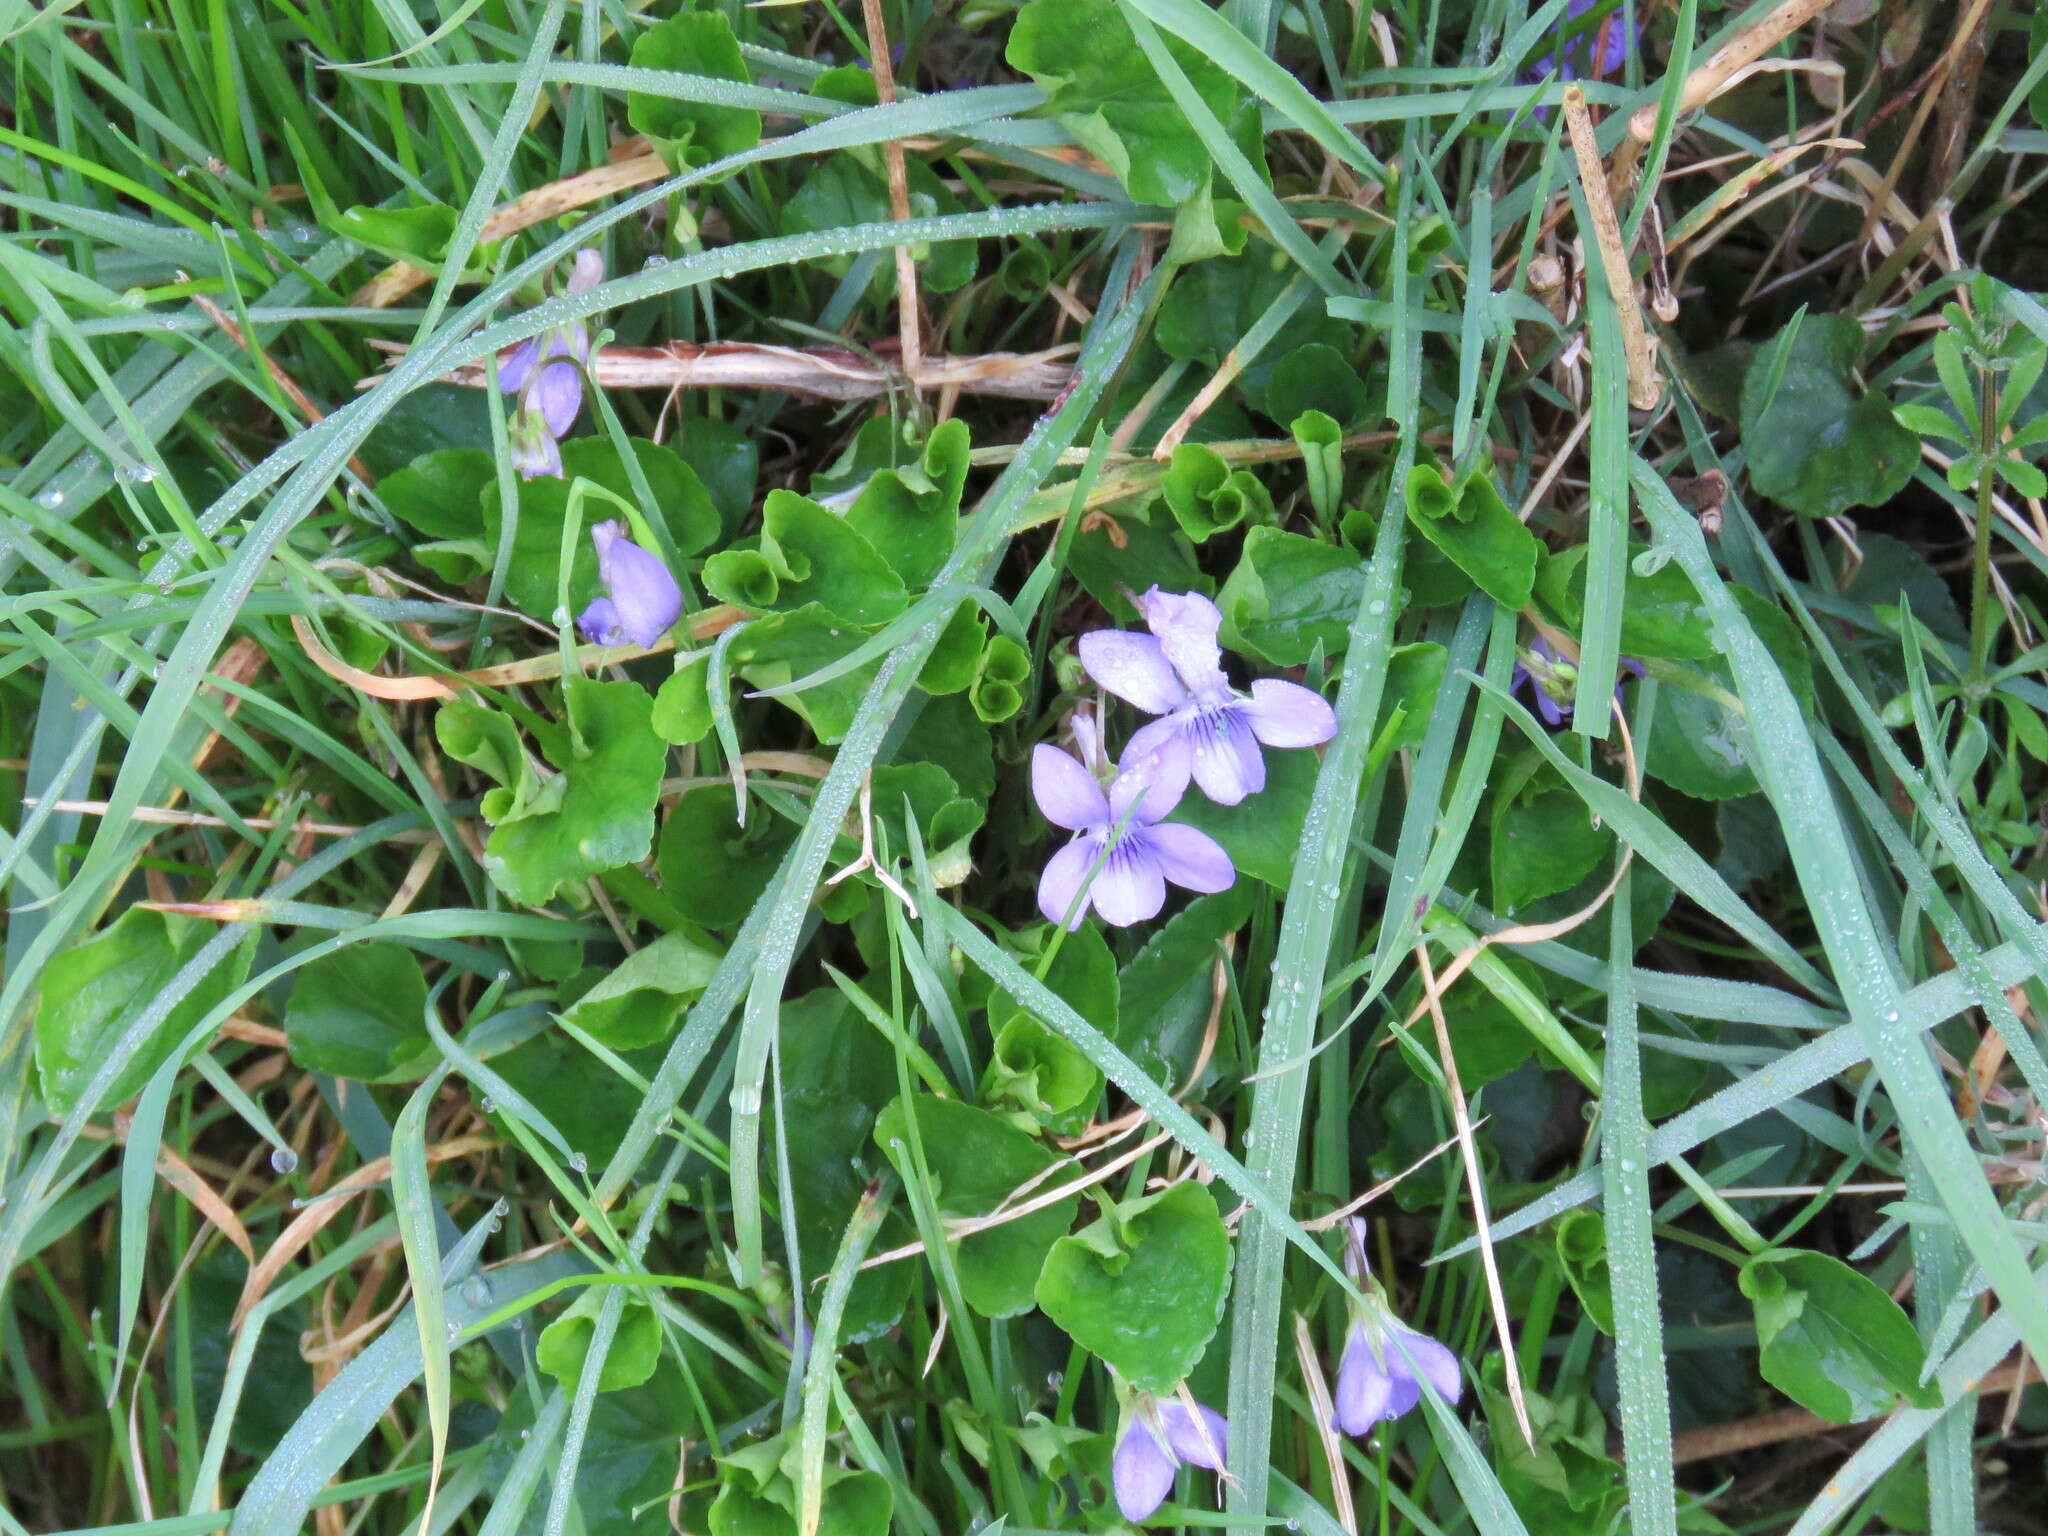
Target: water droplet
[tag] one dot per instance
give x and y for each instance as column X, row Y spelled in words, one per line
column 1628, row 1165
column 51, row 498
column 284, row 1159
column 579, row 1164
column 489, row 1105
column 1054, row 1380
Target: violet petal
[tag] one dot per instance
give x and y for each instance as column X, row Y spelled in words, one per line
column 1062, row 879
column 1190, row 858
column 1142, row 1473
column 1227, row 761
column 1199, row 1439
column 1067, row 793
column 1186, row 624
column 1284, row 714
column 600, row 622
column 639, row 583
column 1129, row 889
column 512, row 371
column 556, row 392
column 1363, row 1386
column 1133, row 667
column 1435, row 1362
column 1150, row 783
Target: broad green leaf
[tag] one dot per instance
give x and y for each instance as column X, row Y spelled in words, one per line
column 1261, row 832
column 361, row 1013
column 956, row 661
column 999, row 679
column 597, row 813
column 441, row 493
column 1833, row 1341
column 979, row 1162
column 1661, row 614
column 1165, row 992
column 1582, row 1250
column 1818, row 443
column 693, row 133
column 1477, row 530
column 836, row 1078
column 638, row 1003
column 682, row 704
column 1033, row 1066
column 910, row 515
column 1143, row 1287
column 782, row 647
column 827, row 562
column 1097, row 83
column 1544, row 838
column 712, row 868
column 1120, row 551
column 93, row 991
column 1290, row 595
column 635, row 1348
column 1317, row 377
column 843, row 192
column 855, row 1504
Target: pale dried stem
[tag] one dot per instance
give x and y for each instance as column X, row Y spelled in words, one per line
column 907, row 322
column 1644, row 387
column 823, row 373
column 1475, row 1184
column 1720, row 71
column 1324, row 1413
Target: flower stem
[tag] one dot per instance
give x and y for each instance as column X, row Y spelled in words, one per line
column 1981, row 622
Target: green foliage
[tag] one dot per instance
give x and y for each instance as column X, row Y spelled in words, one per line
column 1142, row 1287
column 360, row 1012
column 1101, row 89
column 1833, row 1341
column 693, row 133
column 1816, row 441
column 728, row 1075
column 92, row 996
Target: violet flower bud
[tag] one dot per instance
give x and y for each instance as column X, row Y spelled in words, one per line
column 546, row 373
column 1383, row 1363
column 1554, row 681
column 1159, row 1437
column 641, row 601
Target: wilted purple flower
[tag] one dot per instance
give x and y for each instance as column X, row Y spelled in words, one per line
column 641, row 597
column 1176, row 672
column 1123, row 838
column 546, row 373
column 1555, row 681
column 1159, row 1437
column 1594, row 52
column 1378, row 1376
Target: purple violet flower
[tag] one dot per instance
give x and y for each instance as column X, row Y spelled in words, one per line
column 1377, row 1378
column 1176, row 672
column 1554, row 681
column 1159, row 1437
column 546, row 373
column 1123, row 838
column 1594, row 52
column 641, row 598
